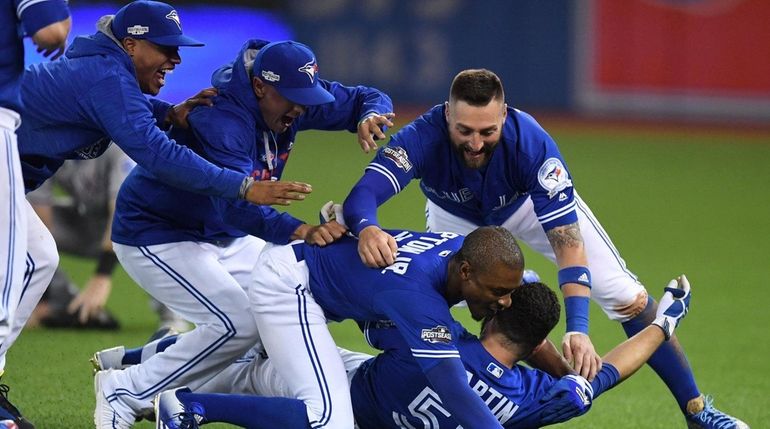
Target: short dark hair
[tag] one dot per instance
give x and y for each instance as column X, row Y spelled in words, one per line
column 533, row 313
column 488, row 246
column 476, row 87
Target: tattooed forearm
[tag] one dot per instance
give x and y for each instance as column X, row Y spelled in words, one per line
column 566, row 236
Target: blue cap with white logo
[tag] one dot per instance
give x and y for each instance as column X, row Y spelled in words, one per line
column 291, row 68
column 151, row 20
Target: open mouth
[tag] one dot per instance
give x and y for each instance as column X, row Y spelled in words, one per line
column 287, row 121
column 160, row 75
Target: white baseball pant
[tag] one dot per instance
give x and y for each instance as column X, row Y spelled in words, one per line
column 28, row 254
column 206, row 285
column 613, row 286
column 293, row 330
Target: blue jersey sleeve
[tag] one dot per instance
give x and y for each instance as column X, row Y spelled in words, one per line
column 35, row 15
column 159, row 111
column 425, row 323
column 546, row 176
column 125, row 115
column 391, row 170
column 350, row 105
column 231, row 150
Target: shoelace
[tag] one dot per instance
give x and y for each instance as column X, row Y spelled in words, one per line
column 714, row 417
column 5, row 403
column 187, row 420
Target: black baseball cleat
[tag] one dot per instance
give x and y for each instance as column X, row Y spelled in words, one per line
column 9, row 412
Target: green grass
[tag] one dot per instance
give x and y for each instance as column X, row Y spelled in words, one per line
column 677, row 202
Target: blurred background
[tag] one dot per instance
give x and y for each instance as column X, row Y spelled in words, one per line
column 695, row 60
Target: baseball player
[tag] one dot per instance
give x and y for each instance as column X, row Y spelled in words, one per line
column 74, row 107
column 48, row 23
column 481, row 162
column 195, row 253
column 81, row 224
column 390, row 391
column 298, row 287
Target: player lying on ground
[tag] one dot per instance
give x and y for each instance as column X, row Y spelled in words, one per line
column 482, row 162
column 390, row 391
column 196, row 253
column 298, row 286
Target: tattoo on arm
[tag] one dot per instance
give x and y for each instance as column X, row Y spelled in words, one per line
column 565, row 236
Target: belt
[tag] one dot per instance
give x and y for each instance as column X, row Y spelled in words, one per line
column 299, row 251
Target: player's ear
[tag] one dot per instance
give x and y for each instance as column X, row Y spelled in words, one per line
column 465, row 270
column 129, row 44
column 446, row 111
column 258, row 86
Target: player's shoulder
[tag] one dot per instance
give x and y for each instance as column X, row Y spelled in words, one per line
column 426, row 130
column 223, row 122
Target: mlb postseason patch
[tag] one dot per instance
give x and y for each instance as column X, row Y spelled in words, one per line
column 399, row 157
column 439, row 334
column 553, row 177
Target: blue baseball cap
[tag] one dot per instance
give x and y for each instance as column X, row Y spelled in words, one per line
column 151, row 20
column 291, row 68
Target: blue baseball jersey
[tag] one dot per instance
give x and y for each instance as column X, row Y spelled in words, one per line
column 525, row 163
column 390, row 391
column 410, row 294
column 76, row 105
column 17, row 19
column 234, row 135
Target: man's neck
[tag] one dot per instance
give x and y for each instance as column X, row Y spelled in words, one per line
column 499, row 350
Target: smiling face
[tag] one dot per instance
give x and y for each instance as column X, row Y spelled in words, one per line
column 488, row 292
column 151, row 63
column 278, row 112
column 474, row 131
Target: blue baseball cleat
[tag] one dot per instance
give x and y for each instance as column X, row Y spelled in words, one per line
column 172, row 414
column 711, row 418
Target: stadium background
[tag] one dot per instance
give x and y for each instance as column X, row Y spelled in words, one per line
column 660, row 109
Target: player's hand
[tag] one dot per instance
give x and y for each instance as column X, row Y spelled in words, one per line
column 51, row 40
column 569, row 397
column 320, row 235
column 370, row 129
column 580, row 353
column 177, row 115
column 673, row 306
column 90, row 301
column 376, row 247
column 276, row 192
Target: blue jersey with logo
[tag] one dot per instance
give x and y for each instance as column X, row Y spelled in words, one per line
column 525, row 163
column 390, row 391
column 409, row 295
column 76, row 105
column 17, row 19
column 232, row 134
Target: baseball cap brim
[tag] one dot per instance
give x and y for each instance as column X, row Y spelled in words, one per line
column 175, row 40
column 307, row 96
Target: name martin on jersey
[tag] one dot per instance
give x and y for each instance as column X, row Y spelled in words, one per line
column 415, row 247
column 427, row 405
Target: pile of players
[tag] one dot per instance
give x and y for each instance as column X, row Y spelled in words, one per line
column 194, row 227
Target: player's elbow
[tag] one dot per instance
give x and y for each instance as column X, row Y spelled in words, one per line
column 53, row 35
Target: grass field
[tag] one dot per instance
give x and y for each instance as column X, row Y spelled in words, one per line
column 673, row 201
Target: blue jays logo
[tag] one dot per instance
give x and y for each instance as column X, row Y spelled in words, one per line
column 174, row 17
column 310, row 69
column 553, row 177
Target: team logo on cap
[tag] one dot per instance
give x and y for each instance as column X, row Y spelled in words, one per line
column 137, row 30
column 310, row 69
column 174, row 17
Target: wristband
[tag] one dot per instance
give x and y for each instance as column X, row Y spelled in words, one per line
column 107, row 262
column 577, row 274
column 576, row 311
column 245, row 185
